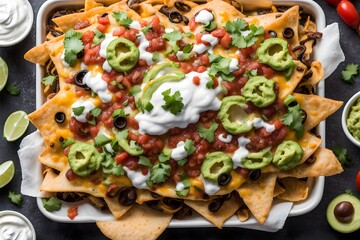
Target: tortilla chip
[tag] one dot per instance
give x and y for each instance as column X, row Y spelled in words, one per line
column 144, row 196
column 295, row 190
column 278, row 189
column 38, row 54
column 317, row 74
column 90, row 4
column 218, row 218
column 243, row 214
column 152, row 224
column 258, row 195
column 326, row 164
column 317, row 108
column 116, row 209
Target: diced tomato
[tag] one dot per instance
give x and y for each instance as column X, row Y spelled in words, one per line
column 157, row 44
column 143, row 23
column 70, row 175
column 104, row 20
column 196, row 80
column 101, row 28
column 81, row 24
column 87, row 37
column 201, row 69
column 118, row 32
column 192, row 24
column 144, row 171
column 72, row 212
column 94, row 130
column 131, row 34
column 198, row 38
column 121, row 157
column 92, row 55
column 132, row 123
column 219, row 32
column 216, row 83
column 204, row 60
column 225, row 41
column 155, row 23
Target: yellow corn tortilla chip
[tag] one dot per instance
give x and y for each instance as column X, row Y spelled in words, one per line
column 116, row 209
column 326, row 164
column 38, row 54
column 139, row 223
column 258, row 195
column 243, row 214
column 278, row 189
column 218, row 218
column 295, row 190
column 90, row 4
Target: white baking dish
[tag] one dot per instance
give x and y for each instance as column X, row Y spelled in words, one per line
column 88, row 213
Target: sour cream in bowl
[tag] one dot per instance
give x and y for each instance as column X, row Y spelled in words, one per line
column 15, row 226
column 350, row 119
column 16, row 19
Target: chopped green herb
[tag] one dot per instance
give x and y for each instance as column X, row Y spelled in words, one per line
column 67, row 142
column 135, row 90
column 73, row 45
column 189, row 34
column 13, row 89
column 174, row 102
column 156, row 56
column 51, row 204
column 49, row 80
column 251, row 73
column 118, row 113
column 208, row 133
column 134, row 145
column 220, row 66
column 198, row 188
column 109, row 166
column 78, row 110
column 146, row 29
column 188, row 48
column 189, row 146
column 92, row 122
column 98, row 37
column 210, row 26
column 122, row 134
column 122, row 19
column 187, row 185
column 15, row 198
column 116, row 83
column 182, row 162
column 342, row 156
column 293, row 119
column 149, row 107
column 160, row 173
column 172, row 38
column 101, row 140
column 96, row 112
column 165, row 155
column 145, row 161
column 349, row 73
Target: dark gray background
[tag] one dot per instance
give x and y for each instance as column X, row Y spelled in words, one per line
column 310, row 226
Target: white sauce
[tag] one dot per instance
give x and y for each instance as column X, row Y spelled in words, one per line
column 88, row 106
column 201, row 48
column 234, row 65
column 196, row 99
column 104, row 44
column 63, row 59
column 180, row 55
column 169, row 30
column 137, row 178
column 180, row 186
column 83, row 66
column 105, row 132
column 14, row 19
column 179, row 152
column 225, row 140
column 204, row 17
column 106, row 66
column 14, row 228
column 135, row 24
column 144, row 44
column 99, row 86
column 210, row 187
column 241, row 152
column 259, row 123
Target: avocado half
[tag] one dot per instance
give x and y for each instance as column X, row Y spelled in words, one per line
column 351, row 226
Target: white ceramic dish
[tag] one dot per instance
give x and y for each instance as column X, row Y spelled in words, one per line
column 300, row 208
column 344, row 116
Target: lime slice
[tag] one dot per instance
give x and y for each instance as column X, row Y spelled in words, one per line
column 7, row 171
column 3, row 73
column 15, row 125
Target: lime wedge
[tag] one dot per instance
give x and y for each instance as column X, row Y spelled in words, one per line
column 3, row 73
column 15, row 125
column 7, row 171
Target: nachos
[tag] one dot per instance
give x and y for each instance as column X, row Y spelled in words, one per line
column 176, row 106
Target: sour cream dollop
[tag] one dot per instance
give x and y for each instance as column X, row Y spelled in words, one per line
column 16, row 17
column 14, row 227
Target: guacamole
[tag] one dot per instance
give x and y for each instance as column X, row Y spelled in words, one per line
column 353, row 120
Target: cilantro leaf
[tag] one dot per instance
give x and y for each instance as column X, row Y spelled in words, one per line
column 172, row 38
column 146, row 29
column 165, row 155
column 208, row 133
column 101, row 140
column 189, row 146
column 160, row 173
column 51, row 204
column 98, row 37
column 73, row 45
column 15, row 198
column 109, row 166
column 122, row 134
column 220, row 66
column 174, row 102
column 210, row 26
column 236, row 25
column 122, row 19
column 67, row 142
column 293, row 119
column 186, row 182
column 96, row 112
column 145, row 161
column 135, row 90
column 182, row 162
column 13, row 89
column 78, row 110
column 49, row 80
column 350, row 71
column 118, row 112
column 342, row 156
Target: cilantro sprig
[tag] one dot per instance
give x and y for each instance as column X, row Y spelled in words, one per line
column 172, row 38
column 242, row 34
column 349, row 73
column 220, row 66
column 51, row 204
column 49, row 80
column 294, row 120
column 342, row 156
column 208, row 133
column 73, row 45
column 122, row 19
column 160, row 173
column 173, row 102
column 15, row 198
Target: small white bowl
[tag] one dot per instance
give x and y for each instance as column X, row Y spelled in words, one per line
column 20, row 217
column 20, row 33
column 344, row 116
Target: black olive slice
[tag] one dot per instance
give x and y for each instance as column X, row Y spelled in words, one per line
column 185, row 20
column 310, row 160
column 288, row 33
column 255, row 175
column 301, row 49
column 60, row 117
column 164, row 10
column 120, row 122
column 127, row 196
column 183, row 212
column 175, row 17
column 344, row 212
column 215, row 204
column 181, row 6
column 104, row 14
column 172, row 202
column 272, row 33
column 79, row 77
column 80, row 55
column 224, row 179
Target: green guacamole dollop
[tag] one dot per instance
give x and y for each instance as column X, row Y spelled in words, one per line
column 353, row 120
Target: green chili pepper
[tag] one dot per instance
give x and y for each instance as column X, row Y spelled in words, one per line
column 257, row 160
column 84, row 158
column 233, row 116
column 288, row 155
column 259, row 91
column 215, row 164
column 275, row 53
column 122, row 54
